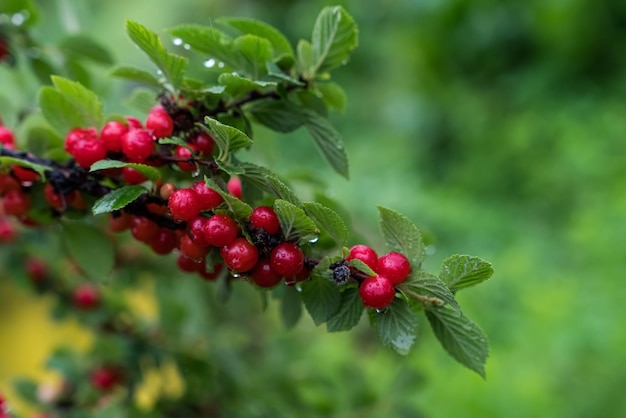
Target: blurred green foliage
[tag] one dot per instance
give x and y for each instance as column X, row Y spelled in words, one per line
column 498, row 127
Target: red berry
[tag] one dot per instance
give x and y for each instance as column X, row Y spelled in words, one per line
column 220, row 230
column 240, row 255
column 204, row 143
column 185, row 154
column 191, row 249
column 137, row 145
column 57, row 201
column 36, row 269
column 143, row 229
column 395, row 266
column 208, row 198
column 132, row 176
column 184, row 205
column 133, row 123
column 264, row 276
column 6, row 136
column 287, row 259
column 24, row 175
column 121, row 222
column 365, row 254
column 8, row 183
column 234, row 187
column 16, row 203
column 264, row 217
column 87, row 152
column 8, row 231
column 164, row 241
column 111, row 135
column 79, row 134
column 377, row 292
column 104, row 378
column 195, row 230
column 86, row 296
column 189, row 265
column 159, row 122
column 210, row 276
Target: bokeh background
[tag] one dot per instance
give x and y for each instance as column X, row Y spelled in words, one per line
column 499, row 128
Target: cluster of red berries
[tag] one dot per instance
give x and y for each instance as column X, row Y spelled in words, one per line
column 391, row 269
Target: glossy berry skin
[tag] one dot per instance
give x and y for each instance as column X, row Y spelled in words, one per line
column 220, row 230
column 79, row 134
column 87, row 152
column 16, row 203
column 377, row 292
column 183, row 204
column 240, row 255
column 195, row 230
column 287, row 259
column 164, row 241
column 265, row 218
column 104, row 378
column 395, row 266
column 132, row 176
column 365, row 254
column 204, row 143
column 189, row 265
column 86, row 297
column 207, row 197
column 137, row 145
column 143, row 229
column 234, row 187
column 192, row 250
column 264, row 276
column 184, row 153
column 25, row 175
column 159, row 122
column 111, row 135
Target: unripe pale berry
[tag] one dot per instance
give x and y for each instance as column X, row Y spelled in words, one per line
column 377, row 292
column 395, row 266
column 287, row 259
column 234, row 187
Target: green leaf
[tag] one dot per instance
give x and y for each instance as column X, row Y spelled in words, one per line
column 334, row 37
column 349, row 313
column 27, row 390
column 149, row 172
column 83, row 46
column 174, row 141
column 226, row 137
column 291, row 306
column 402, row 235
column 70, row 105
column 321, row 298
column 117, row 199
column 240, row 209
column 207, row 40
column 397, row 326
column 172, row 66
column 274, row 71
column 429, row 285
column 461, row 271
column 334, row 96
column 328, row 141
column 294, row 222
column 362, row 267
column 90, row 248
column 141, row 99
column 137, row 75
column 278, row 115
column 329, row 221
column 305, row 57
column 253, row 54
column 279, row 43
column 8, row 161
column 269, row 181
column 460, row 337
column 237, row 85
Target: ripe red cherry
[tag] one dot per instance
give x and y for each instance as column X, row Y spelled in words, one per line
column 184, row 205
column 184, row 153
column 104, row 378
column 377, row 292
column 204, row 143
column 164, row 241
column 8, row 183
column 287, row 259
column 234, row 187
column 191, row 249
column 210, row 276
column 159, row 122
column 16, row 203
column 220, row 230
column 395, row 266
column 143, row 229
column 264, row 276
column 365, row 254
column 56, row 200
column 6, row 136
column 87, row 152
column 86, row 296
column 137, row 145
column 189, row 265
column 240, row 255
column 111, row 135
column 264, row 217
column 79, row 134
column 133, row 123
column 207, row 197
column 24, row 175
column 195, row 230
column 132, row 176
